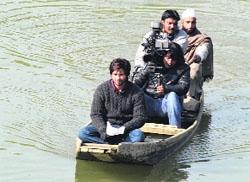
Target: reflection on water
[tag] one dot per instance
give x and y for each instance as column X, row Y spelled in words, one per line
column 199, row 147
column 107, row 172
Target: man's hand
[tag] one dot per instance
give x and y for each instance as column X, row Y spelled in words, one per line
column 112, row 131
column 197, row 59
column 160, row 89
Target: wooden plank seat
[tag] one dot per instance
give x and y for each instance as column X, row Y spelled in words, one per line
column 161, row 129
column 98, row 148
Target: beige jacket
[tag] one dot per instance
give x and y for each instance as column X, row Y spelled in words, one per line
column 195, row 40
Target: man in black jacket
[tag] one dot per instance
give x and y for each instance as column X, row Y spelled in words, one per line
column 118, row 109
column 165, row 81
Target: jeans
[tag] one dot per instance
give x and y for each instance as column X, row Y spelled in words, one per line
column 89, row 134
column 170, row 105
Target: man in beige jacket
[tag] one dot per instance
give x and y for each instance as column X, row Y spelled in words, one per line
column 199, row 54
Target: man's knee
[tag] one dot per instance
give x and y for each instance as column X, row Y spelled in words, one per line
column 195, row 71
column 172, row 96
column 82, row 133
column 172, row 102
column 136, row 136
column 85, row 131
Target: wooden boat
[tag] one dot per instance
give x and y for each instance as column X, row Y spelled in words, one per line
column 161, row 141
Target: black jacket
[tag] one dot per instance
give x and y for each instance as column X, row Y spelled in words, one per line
column 175, row 79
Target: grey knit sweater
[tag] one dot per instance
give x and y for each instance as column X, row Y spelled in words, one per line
column 126, row 108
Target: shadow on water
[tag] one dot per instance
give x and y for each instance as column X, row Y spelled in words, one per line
column 174, row 169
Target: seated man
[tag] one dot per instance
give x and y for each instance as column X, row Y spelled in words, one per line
column 165, row 81
column 118, row 109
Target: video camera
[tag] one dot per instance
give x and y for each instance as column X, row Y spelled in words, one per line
column 155, row 44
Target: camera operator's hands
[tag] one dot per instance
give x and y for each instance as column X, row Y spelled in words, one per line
column 160, row 89
column 197, row 59
column 112, row 131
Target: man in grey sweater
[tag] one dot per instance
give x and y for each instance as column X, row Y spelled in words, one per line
column 118, row 109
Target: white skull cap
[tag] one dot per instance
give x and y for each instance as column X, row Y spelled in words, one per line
column 188, row 13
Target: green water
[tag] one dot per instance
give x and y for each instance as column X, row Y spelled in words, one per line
column 55, row 52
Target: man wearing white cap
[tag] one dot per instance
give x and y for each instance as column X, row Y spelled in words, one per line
column 199, row 54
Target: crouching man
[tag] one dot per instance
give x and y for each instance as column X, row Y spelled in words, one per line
column 165, row 81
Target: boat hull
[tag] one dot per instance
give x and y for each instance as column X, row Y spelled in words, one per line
column 152, row 151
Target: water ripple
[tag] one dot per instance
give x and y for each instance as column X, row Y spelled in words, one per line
column 55, row 52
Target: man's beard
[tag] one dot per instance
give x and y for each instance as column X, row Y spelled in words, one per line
column 120, row 83
column 189, row 32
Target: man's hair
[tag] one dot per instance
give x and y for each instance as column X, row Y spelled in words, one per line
column 176, row 53
column 120, row 63
column 170, row 14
